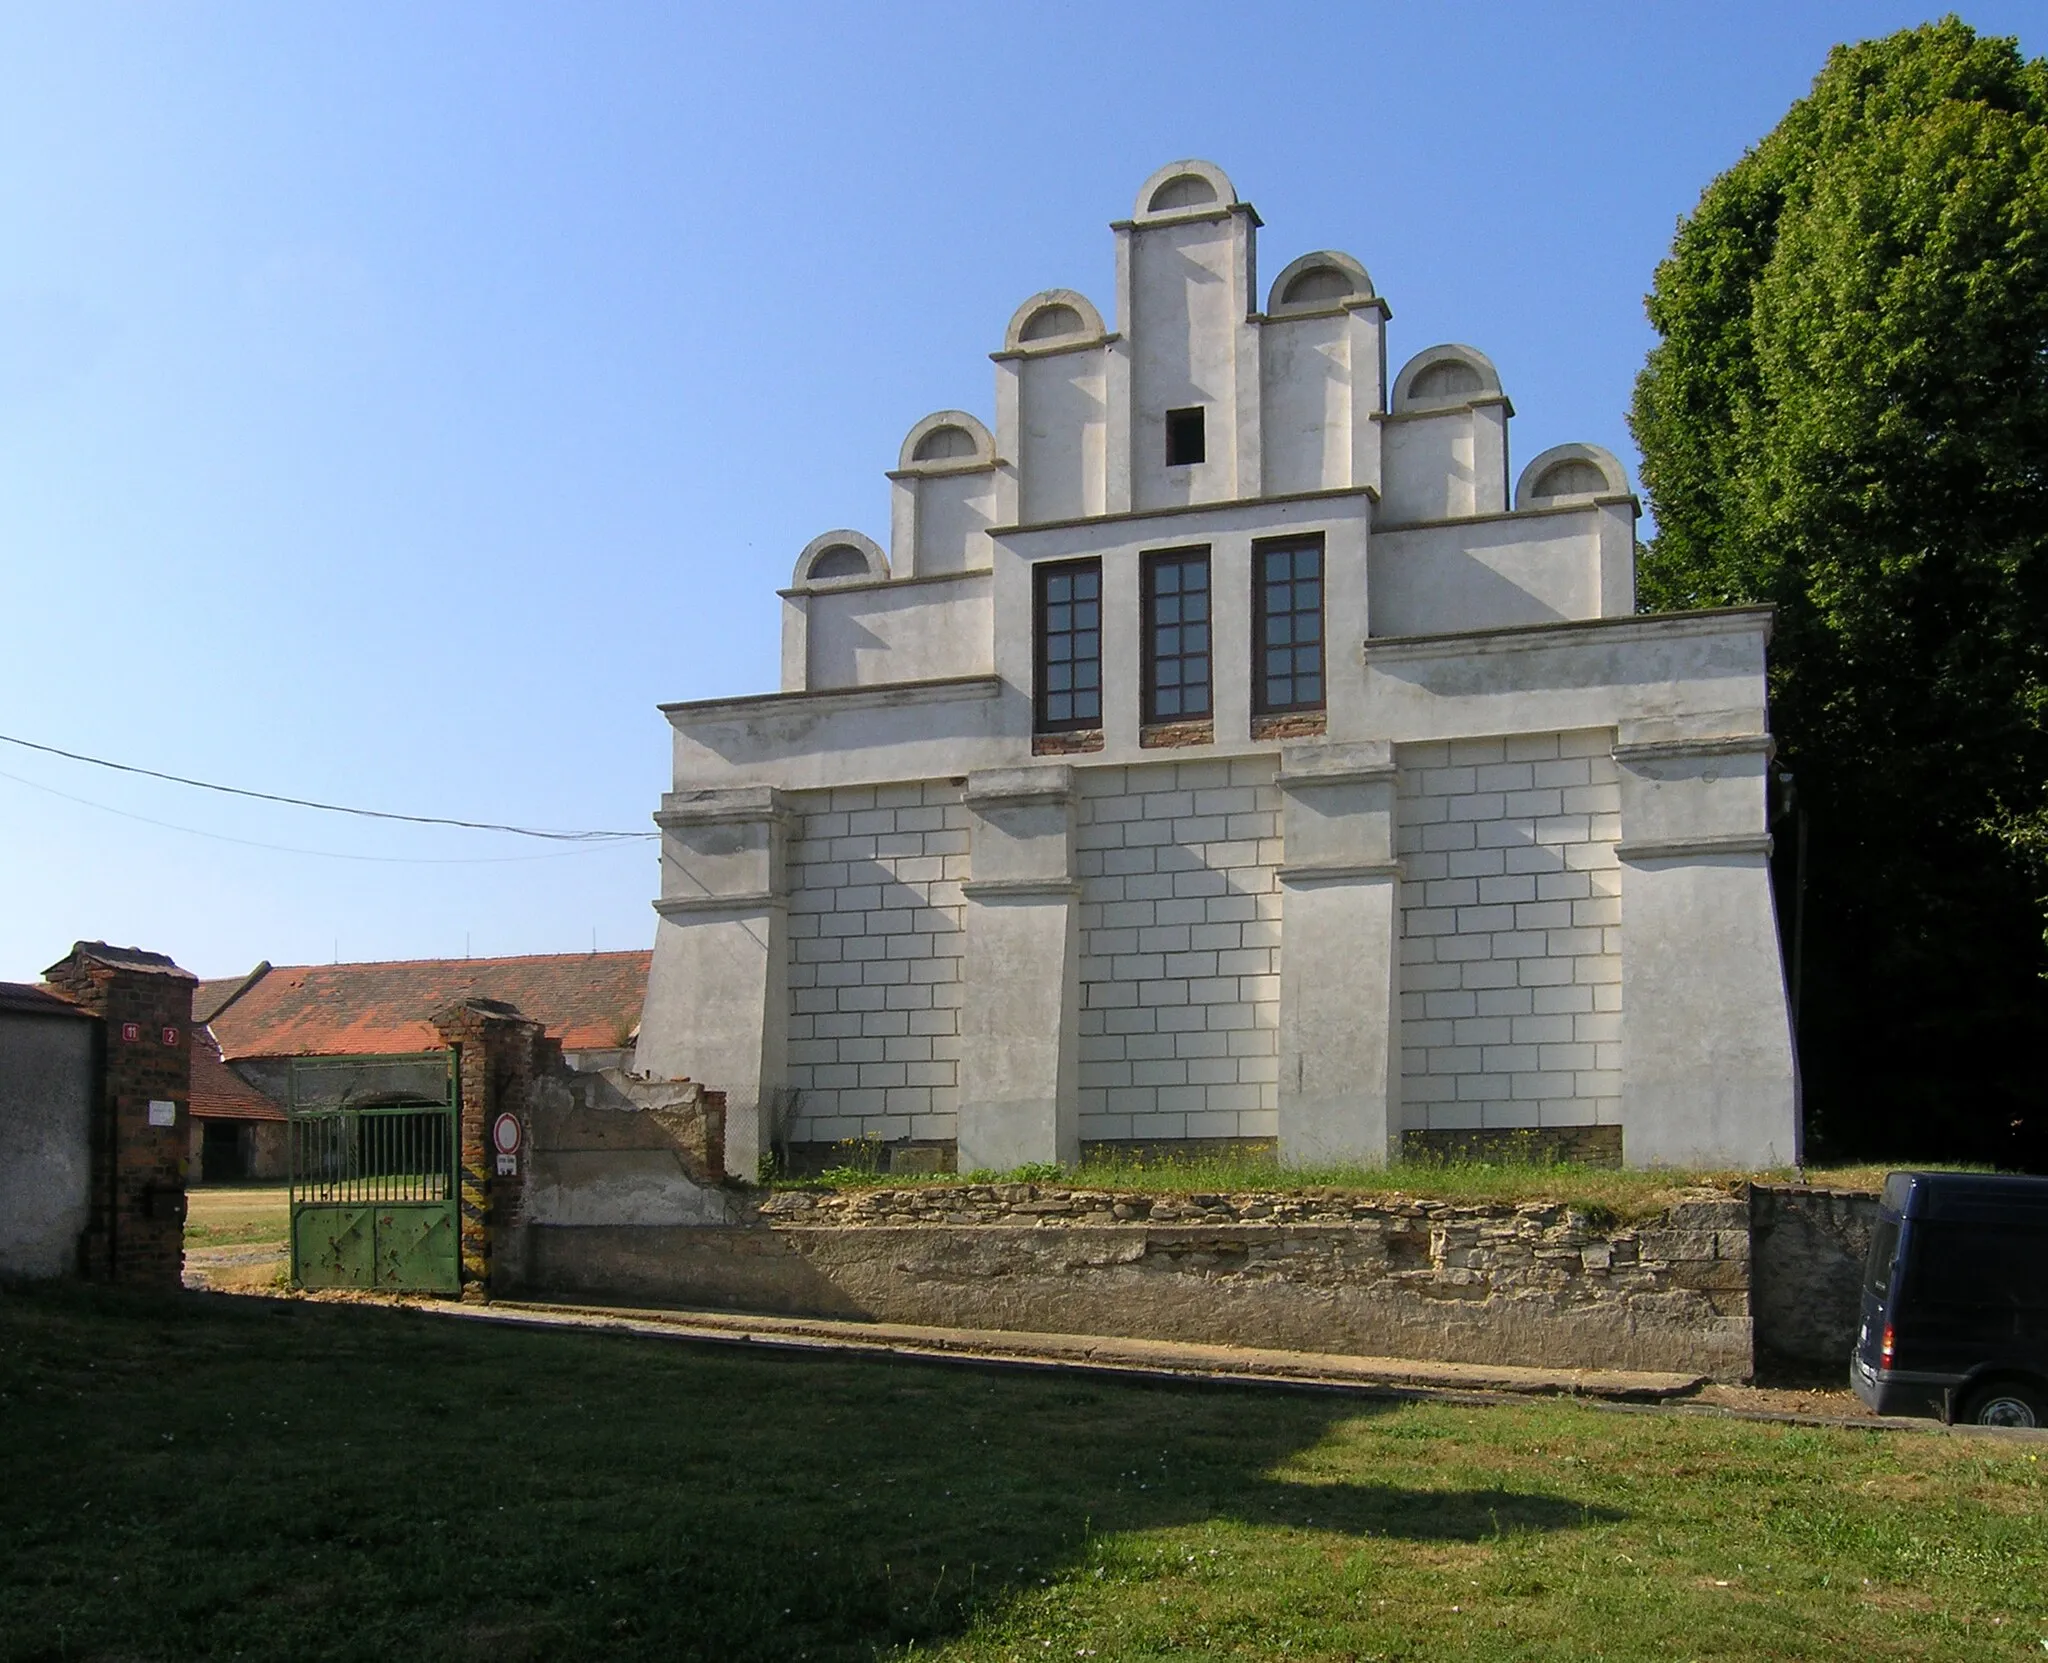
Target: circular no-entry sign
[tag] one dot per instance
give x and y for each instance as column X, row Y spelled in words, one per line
column 505, row 1134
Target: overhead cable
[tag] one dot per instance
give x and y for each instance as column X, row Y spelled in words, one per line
column 332, row 808
column 323, row 854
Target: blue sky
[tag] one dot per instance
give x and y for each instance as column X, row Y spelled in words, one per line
column 398, row 401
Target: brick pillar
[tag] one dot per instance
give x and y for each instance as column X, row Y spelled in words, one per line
column 135, row 1231
column 501, row 1055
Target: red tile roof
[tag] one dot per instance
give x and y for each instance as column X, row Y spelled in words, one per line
column 219, row 1093
column 588, row 1001
column 31, row 1000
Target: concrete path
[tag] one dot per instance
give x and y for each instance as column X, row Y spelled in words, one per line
column 1096, row 1352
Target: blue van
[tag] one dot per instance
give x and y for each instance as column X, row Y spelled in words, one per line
column 1955, row 1300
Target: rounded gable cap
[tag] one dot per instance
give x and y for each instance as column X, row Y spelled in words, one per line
column 1445, row 376
column 1054, row 320
column 946, row 441
column 840, row 557
column 1570, row 474
column 1319, row 282
column 1191, row 186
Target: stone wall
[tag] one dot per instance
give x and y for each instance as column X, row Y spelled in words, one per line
column 1537, row 1285
column 1180, row 951
column 874, row 977
column 1809, row 1248
column 605, row 1147
column 1510, row 932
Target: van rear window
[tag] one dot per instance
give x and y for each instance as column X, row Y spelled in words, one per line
column 1884, row 1247
column 1965, row 1264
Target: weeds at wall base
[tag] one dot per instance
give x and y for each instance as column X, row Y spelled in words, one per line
column 1608, row 1194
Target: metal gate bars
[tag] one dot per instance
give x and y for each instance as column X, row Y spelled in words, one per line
column 374, row 1146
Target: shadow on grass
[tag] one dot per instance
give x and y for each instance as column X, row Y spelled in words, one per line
column 205, row 1475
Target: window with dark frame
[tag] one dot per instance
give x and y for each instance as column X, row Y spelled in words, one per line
column 1186, row 437
column 1069, row 693
column 1287, row 627
column 1177, row 681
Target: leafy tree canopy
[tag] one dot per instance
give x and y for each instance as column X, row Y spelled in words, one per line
column 1847, row 416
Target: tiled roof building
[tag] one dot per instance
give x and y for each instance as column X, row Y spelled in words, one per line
column 588, row 1001
column 249, row 1029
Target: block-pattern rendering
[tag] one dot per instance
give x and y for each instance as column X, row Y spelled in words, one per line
column 875, row 945
column 1180, row 966
column 1397, row 819
column 1510, row 932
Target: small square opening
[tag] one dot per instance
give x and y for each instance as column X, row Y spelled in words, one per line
column 1184, row 437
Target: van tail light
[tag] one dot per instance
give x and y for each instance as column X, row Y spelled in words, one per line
column 1884, row 1349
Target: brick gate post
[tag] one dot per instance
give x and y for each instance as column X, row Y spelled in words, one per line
column 135, row 1230
column 499, row 1049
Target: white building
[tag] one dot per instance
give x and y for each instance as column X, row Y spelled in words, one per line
column 1221, row 750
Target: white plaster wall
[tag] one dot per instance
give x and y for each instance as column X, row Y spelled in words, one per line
column 1490, row 574
column 46, row 1095
column 872, row 636
column 954, row 512
column 1186, row 310
column 1062, row 428
column 1446, row 465
column 1180, row 945
column 1510, row 931
column 1699, row 673
column 1307, row 395
column 1685, row 674
column 875, row 915
column 861, row 736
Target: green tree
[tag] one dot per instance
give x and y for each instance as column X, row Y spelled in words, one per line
column 1847, row 416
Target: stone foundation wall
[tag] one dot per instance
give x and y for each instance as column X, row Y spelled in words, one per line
column 1809, row 1247
column 1537, row 1284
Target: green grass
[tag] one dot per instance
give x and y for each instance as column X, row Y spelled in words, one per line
column 238, row 1215
column 1620, row 1194
column 214, row 1477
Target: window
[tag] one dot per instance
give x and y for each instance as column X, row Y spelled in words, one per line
column 1070, row 645
column 1184, row 437
column 1884, row 1248
column 1995, row 1265
column 1177, row 636
column 1287, row 624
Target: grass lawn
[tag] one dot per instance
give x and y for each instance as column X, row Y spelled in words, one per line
column 210, row 1476
column 238, row 1215
column 237, row 1238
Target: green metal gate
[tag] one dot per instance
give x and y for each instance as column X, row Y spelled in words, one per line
column 374, row 1191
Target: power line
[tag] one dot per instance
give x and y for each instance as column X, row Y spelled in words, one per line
column 329, row 808
column 289, row 849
